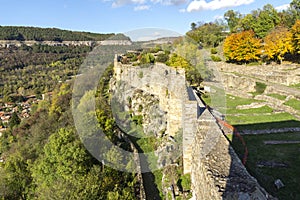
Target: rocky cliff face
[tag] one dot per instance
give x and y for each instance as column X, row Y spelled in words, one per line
column 8, row 43
column 146, row 106
column 165, row 84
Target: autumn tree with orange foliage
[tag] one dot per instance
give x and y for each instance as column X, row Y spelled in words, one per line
column 296, row 36
column 242, row 47
column 277, row 43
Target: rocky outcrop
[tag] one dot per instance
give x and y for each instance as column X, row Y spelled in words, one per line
column 146, row 106
column 159, row 80
column 8, row 43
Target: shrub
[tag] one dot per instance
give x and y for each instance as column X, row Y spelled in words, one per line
column 141, row 74
column 163, row 58
column 216, row 58
column 213, row 51
column 260, row 87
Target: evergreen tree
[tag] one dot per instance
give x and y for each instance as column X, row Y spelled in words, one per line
column 14, row 120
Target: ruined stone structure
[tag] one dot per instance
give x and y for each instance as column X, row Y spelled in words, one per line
column 216, row 171
column 241, row 80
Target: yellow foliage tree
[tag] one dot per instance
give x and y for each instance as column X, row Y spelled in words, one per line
column 296, row 36
column 277, row 43
column 178, row 62
column 242, row 47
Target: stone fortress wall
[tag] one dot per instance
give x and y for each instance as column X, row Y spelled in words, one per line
column 216, row 171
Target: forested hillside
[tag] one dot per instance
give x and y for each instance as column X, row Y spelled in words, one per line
column 37, row 69
column 48, row 34
column 43, row 157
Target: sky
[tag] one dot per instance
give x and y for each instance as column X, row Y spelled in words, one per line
column 123, row 16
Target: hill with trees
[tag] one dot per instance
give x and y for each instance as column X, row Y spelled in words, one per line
column 22, row 33
column 44, row 157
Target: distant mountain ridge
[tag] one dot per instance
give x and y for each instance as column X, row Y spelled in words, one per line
column 22, row 33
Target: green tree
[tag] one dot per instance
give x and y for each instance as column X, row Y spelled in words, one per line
column 178, row 62
column 62, row 168
column 14, row 120
column 267, row 19
column 208, row 34
column 14, row 178
column 193, row 25
column 295, row 8
column 147, row 58
column 163, row 58
column 232, row 17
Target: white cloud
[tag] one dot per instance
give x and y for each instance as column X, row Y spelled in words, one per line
column 119, row 3
column 182, row 10
column 141, row 7
column 170, row 2
column 282, row 7
column 198, row 5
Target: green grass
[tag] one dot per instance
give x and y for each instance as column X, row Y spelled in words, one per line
column 158, row 174
column 261, row 110
column 218, row 99
column 294, row 103
column 206, row 98
column 287, row 153
column 260, row 88
column 229, row 136
column 269, row 125
column 246, row 119
column 234, row 101
column 295, row 86
column 186, row 181
column 215, row 99
column 257, row 118
column 277, row 96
